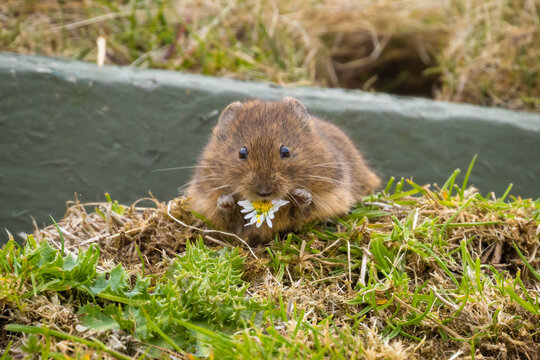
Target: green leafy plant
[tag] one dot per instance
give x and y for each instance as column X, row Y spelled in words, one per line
column 115, row 206
column 202, row 286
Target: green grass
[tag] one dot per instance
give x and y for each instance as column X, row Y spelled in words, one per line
column 415, row 271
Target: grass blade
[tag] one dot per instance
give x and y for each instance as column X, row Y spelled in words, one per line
column 469, row 170
column 95, row 344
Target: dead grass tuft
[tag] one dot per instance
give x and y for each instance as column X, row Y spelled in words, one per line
column 144, row 231
column 492, row 57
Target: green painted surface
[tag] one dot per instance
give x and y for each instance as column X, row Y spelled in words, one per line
column 70, row 127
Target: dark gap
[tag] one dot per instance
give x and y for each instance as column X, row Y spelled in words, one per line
column 399, row 68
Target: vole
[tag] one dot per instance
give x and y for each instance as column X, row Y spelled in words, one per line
column 263, row 150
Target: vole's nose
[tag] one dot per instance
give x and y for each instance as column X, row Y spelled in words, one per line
column 264, row 191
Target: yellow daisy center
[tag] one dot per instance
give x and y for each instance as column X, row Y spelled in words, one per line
column 262, row 206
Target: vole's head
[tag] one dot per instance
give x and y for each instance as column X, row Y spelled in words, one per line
column 264, row 150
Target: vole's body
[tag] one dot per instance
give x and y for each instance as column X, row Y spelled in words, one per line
column 323, row 176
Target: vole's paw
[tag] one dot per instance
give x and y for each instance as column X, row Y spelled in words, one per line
column 226, row 202
column 303, row 197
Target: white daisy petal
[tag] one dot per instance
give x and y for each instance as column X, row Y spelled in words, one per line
column 269, row 222
column 246, row 204
column 276, row 204
column 260, row 220
column 251, row 214
column 252, row 221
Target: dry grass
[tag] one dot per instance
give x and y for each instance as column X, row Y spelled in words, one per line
column 482, row 52
column 493, row 57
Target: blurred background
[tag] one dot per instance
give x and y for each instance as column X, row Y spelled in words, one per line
column 483, row 52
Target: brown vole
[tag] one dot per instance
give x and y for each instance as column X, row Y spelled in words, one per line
column 275, row 150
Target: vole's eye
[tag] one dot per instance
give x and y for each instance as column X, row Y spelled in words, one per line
column 284, row 151
column 242, row 154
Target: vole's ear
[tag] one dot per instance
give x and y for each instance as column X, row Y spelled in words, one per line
column 230, row 112
column 296, row 106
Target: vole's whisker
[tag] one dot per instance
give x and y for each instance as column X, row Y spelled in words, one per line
column 326, row 179
column 200, row 180
column 329, row 166
column 234, row 192
column 336, row 163
column 321, row 205
column 196, row 181
column 295, row 201
column 215, row 188
column 181, row 168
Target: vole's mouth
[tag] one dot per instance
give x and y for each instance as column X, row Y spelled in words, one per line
column 253, row 196
column 268, row 199
column 262, row 199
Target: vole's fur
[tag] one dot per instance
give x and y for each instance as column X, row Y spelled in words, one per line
column 323, row 177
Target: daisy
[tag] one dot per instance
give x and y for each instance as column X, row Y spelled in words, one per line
column 259, row 211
